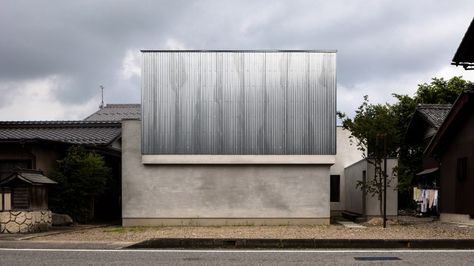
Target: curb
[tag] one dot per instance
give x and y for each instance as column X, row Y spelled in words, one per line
column 212, row 243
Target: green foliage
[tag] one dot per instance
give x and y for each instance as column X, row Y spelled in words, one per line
column 81, row 176
column 440, row 91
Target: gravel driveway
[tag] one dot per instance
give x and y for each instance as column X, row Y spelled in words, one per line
column 431, row 230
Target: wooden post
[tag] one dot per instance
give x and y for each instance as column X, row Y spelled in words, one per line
column 385, row 181
column 3, row 199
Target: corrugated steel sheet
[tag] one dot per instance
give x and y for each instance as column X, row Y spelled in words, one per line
column 239, row 102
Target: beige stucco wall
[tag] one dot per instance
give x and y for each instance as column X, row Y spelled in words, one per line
column 354, row 197
column 42, row 156
column 347, row 154
column 207, row 194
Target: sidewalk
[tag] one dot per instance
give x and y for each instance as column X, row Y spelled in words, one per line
column 56, row 230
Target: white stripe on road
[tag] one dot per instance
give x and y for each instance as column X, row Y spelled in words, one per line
column 244, row 251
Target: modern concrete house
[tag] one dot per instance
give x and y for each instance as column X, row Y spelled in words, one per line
column 231, row 137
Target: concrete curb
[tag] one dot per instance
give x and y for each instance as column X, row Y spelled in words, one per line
column 211, row 243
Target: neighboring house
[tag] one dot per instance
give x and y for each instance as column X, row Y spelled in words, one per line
column 424, row 124
column 465, row 54
column 39, row 144
column 453, row 146
column 364, row 204
column 231, row 137
column 347, row 154
column 116, row 112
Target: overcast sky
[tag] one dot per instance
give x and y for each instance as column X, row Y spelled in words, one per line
column 55, row 54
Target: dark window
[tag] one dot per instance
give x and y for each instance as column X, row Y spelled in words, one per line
column 461, row 169
column 20, row 198
column 335, row 188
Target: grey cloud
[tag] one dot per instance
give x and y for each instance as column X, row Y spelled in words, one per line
column 85, row 41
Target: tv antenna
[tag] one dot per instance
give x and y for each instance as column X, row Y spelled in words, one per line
column 102, row 102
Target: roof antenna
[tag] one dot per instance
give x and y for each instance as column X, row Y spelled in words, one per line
column 102, row 102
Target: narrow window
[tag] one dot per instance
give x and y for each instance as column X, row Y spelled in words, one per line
column 335, row 188
column 5, row 200
column 461, row 169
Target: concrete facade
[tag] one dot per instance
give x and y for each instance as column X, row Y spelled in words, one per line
column 347, row 154
column 367, row 205
column 219, row 194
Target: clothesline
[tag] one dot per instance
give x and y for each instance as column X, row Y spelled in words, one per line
column 426, row 198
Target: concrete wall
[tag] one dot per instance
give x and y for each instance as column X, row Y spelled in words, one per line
column 165, row 194
column 368, row 205
column 353, row 195
column 347, row 154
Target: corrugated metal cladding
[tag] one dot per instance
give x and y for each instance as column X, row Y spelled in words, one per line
column 239, row 102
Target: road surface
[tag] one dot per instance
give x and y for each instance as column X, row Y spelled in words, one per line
column 27, row 256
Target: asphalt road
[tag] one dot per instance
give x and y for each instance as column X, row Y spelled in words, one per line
column 12, row 256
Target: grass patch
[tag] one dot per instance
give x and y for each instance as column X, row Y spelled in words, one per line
column 120, row 229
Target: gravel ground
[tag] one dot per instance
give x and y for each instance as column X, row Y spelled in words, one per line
column 431, row 230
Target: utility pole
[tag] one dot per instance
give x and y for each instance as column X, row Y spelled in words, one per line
column 102, row 102
column 385, row 181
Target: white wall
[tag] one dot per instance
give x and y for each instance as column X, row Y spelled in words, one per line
column 353, row 174
column 354, row 198
column 347, row 154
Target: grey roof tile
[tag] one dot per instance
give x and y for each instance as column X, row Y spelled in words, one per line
column 72, row 132
column 30, row 176
column 37, row 178
column 434, row 113
column 116, row 112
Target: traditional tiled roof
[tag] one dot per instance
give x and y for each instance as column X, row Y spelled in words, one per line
column 465, row 54
column 461, row 109
column 72, row 132
column 434, row 113
column 33, row 177
column 116, row 112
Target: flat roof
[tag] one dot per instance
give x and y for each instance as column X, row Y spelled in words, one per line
column 238, row 51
